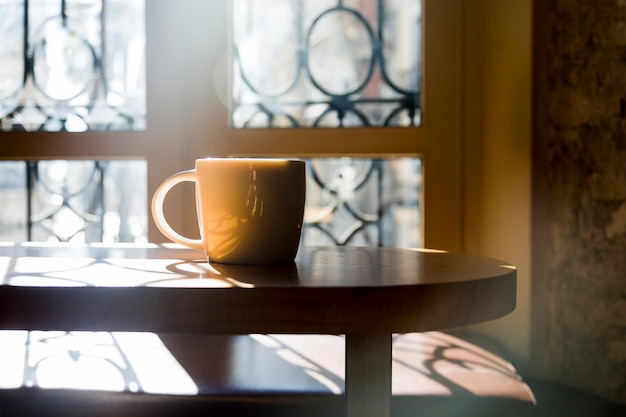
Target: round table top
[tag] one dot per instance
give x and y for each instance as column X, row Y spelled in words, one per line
column 170, row 289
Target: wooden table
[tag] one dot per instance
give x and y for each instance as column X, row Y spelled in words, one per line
column 365, row 293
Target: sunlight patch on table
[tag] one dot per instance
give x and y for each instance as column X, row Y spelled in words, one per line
column 143, row 350
column 104, row 361
column 12, row 357
column 111, row 272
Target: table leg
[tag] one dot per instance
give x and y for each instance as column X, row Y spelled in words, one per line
column 368, row 375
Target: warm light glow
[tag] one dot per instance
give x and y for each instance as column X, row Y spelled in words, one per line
column 239, row 284
column 424, row 250
column 199, row 267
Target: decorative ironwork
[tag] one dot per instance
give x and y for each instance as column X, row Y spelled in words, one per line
column 77, row 67
column 332, row 63
column 63, row 202
column 79, row 201
column 350, row 201
column 363, row 202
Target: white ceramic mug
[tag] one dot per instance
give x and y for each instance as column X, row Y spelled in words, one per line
column 250, row 210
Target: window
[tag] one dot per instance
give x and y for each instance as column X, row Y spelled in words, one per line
column 363, row 202
column 326, row 63
column 188, row 65
column 73, row 201
column 72, row 66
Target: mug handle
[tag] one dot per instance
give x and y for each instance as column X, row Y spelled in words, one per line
column 159, row 216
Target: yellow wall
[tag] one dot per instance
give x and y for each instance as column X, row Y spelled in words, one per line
column 497, row 154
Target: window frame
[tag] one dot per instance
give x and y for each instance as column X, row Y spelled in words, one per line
column 188, row 44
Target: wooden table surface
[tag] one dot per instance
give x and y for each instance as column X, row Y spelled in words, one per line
column 172, row 289
column 365, row 293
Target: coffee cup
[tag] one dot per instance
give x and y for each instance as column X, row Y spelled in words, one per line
column 250, row 210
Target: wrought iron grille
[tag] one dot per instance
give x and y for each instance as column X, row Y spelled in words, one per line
column 72, row 65
column 350, row 201
column 333, row 63
column 61, row 206
column 363, row 202
column 78, row 201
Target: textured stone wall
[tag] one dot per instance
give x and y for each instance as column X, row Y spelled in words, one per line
column 579, row 329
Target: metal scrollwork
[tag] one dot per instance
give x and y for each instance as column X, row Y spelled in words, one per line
column 67, row 77
column 72, row 203
column 358, row 201
column 343, row 68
